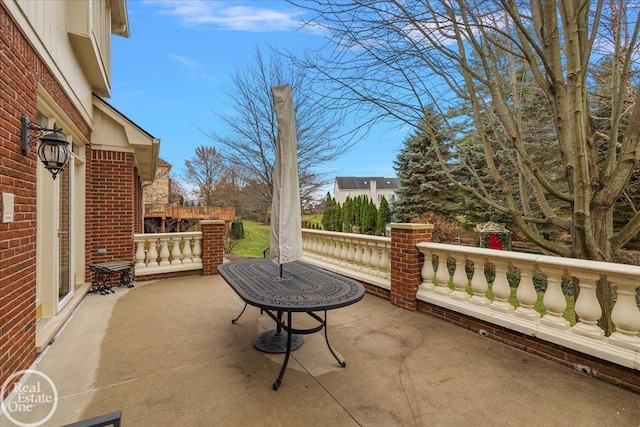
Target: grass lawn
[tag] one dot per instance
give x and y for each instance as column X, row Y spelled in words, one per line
column 256, row 240
column 256, row 237
column 313, row 218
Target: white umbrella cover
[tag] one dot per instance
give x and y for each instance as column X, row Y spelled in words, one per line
column 286, row 234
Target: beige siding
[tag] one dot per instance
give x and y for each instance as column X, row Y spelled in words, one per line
column 47, row 25
column 373, row 192
column 108, row 134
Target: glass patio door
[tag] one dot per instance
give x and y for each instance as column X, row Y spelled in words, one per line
column 65, row 283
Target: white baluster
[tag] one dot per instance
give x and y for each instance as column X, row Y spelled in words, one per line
column 313, row 244
column 332, row 250
column 460, row 280
column 375, row 259
column 197, row 251
column 479, row 284
column 310, row 251
column 385, row 263
column 186, row 252
column 554, row 300
column 140, row 255
column 153, row 253
column 351, row 255
column 626, row 316
column 526, row 295
column 344, row 261
column 317, row 247
column 359, row 254
column 501, row 290
column 320, row 247
column 366, row 258
column 337, row 249
column 175, row 251
column 310, row 245
column 327, row 249
column 442, row 276
column 587, row 307
column 427, row 272
column 164, row 252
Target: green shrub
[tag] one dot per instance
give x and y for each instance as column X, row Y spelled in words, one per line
column 229, row 244
column 237, row 230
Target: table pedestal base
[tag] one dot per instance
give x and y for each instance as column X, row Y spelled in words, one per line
column 275, row 341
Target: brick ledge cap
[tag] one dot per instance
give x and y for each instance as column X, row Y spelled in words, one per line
column 411, row 226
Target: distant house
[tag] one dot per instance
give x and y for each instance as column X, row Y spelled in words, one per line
column 372, row 187
column 156, row 193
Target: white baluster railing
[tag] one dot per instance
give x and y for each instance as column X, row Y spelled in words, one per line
column 622, row 347
column 362, row 257
column 178, row 252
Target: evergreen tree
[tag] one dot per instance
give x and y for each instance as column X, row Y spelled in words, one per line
column 369, row 217
column 384, row 217
column 347, row 215
column 364, row 206
column 327, row 216
column 423, row 184
column 337, row 217
column 355, row 212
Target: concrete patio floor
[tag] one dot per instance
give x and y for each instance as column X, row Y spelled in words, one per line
column 166, row 354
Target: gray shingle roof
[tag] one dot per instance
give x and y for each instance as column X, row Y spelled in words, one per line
column 363, row 183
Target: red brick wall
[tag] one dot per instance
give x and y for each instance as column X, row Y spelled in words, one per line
column 137, row 197
column 607, row 371
column 17, row 176
column 376, row 290
column 212, row 246
column 406, row 262
column 21, row 70
column 111, row 194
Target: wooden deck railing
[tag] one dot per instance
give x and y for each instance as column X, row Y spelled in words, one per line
column 189, row 212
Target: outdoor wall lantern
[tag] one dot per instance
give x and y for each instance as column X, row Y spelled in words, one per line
column 54, row 148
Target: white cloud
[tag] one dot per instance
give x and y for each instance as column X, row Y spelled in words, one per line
column 196, row 72
column 231, row 15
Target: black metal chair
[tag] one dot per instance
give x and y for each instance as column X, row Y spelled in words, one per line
column 112, row 419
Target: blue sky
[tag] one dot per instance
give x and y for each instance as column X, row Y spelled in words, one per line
column 168, row 77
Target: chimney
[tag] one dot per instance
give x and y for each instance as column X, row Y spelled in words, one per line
column 373, row 191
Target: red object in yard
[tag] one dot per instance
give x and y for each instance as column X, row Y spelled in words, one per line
column 495, row 242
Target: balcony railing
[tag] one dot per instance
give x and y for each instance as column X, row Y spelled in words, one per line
column 454, row 279
column 158, row 253
column 361, row 257
column 622, row 347
column 448, row 285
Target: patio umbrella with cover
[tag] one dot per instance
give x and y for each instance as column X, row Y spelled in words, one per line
column 286, row 235
column 285, row 243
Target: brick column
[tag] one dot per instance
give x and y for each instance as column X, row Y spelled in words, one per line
column 406, row 262
column 212, row 245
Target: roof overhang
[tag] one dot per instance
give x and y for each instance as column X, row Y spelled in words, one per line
column 119, row 18
column 113, row 131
